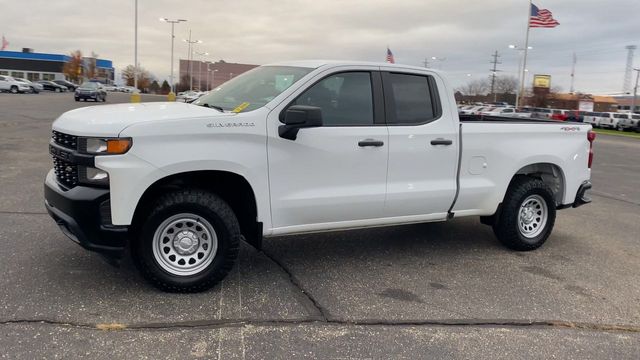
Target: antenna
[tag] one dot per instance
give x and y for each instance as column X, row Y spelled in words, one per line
column 626, row 87
column 573, row 71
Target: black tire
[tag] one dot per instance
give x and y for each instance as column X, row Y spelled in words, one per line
column 57, row 90
column 14, row 89
column 77, row 99
column 506, row 226
column 203, row 204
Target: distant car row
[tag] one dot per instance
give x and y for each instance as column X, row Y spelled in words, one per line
column 611, row 120
column 20, row 85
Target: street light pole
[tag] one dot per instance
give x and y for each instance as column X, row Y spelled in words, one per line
column 202, row 54
column 135, row 97
column 213, row 78
column 173, row 37
column 520, row 51
column 190, row 57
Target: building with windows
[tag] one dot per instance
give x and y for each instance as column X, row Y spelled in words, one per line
column 208, row 75
column 39, row 66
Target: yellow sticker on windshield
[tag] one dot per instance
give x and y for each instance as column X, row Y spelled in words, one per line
column 241, row 107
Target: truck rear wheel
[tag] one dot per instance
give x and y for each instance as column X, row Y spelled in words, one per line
column 188, row 243
column 527, row 215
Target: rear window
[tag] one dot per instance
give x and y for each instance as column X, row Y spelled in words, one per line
column 411, row 99
column 636, row 116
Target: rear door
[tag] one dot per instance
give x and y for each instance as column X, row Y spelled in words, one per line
column 423, row 144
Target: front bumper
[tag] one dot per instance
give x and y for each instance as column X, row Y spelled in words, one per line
column 84, row 216
column 86, row 95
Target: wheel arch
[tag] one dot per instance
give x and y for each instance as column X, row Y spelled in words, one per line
column 551, row 174
column 233, row 188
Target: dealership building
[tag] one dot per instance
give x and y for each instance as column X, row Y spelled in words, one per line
column 39, row 66
column 208, row 75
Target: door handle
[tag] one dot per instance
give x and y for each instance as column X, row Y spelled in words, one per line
column 370, row 142
column 441, row 141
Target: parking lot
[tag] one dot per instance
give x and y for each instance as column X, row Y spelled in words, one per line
column 442, row 290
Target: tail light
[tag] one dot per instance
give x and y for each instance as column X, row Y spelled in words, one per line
column 591, row 136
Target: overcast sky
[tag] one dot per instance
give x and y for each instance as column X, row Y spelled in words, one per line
column 463, row 32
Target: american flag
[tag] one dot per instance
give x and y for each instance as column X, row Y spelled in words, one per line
column 390, row 57
column 541, row 18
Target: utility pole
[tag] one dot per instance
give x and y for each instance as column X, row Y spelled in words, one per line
column 635, row 92
column 495, row 63
column 426, row 62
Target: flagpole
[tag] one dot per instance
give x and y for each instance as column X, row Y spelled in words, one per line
column 524, row 62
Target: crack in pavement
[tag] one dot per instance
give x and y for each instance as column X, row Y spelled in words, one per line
column 613, row 197
column 310, row 300
column 215, row 324
column 22, row 212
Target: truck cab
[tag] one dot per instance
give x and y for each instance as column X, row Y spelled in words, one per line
column 301, row 147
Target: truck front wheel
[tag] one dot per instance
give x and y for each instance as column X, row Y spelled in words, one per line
column 188, row 243
column 527, row 216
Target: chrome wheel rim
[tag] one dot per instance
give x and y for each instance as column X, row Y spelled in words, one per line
column 185, row 244
column 532, row 216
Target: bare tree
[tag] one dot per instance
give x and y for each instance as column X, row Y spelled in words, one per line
column 506, row 84
column 475, row 87
column 144, row 77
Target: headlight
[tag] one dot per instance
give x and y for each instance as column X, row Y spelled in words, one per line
column 93, row 176
column 108, row 146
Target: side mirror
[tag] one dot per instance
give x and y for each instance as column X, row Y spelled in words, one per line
column 297, row 117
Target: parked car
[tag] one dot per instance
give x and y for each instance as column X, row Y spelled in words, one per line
column 128, row 89
column 8, row 83
column 608, row 120
column 636, row 127
column 181, row 185
column 69, row 85
column 542, row 113
column 51, row 86
column 592, row 118
column 35, row 87
column 110, row 87
column 189, row 96
column 627, row 121
column 499, row 111
column 91, row 90
column 474, row 110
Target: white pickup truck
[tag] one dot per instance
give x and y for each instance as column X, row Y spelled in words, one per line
column 302, row 147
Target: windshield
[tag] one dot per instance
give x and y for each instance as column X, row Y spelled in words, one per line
column 253, row 89
column 90, row 85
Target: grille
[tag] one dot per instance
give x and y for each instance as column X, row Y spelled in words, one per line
column 66, row 172
column 65, row 140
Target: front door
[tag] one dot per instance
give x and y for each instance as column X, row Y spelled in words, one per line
column 335, row 173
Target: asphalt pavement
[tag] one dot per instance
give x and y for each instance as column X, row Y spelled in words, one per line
column 441, row 290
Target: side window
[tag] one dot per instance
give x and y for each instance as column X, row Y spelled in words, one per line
column 409, row 99
column 345, row 99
